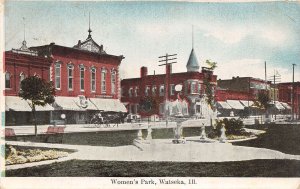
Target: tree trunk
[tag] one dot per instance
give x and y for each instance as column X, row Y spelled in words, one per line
column 34, row 119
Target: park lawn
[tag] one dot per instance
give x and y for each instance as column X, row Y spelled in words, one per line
column 84, row 168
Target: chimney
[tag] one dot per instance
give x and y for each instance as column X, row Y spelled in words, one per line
column 144, row 71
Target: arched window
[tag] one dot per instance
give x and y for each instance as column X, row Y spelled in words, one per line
column 103, row 80
column 113, row 82
column 93, row 79
column 7, row 80
column 22, row 77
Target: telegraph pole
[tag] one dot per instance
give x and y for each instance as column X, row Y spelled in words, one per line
column 275, row 79
column 166, row 58
column 293, row 91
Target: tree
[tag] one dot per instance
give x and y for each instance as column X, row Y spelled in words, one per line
column 262, row 101
column 39, row 92
column 208, row 87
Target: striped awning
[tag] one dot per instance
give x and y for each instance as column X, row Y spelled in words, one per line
column 235, row 104
column 113, row 105
column 223, row 105
column 16, row 103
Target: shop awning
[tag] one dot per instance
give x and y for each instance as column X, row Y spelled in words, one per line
column 113, row 105
column 286, row 106
column 245, row 103
column 279, row 106
column 67, row 103
column 223, row 105
column 16, row 103
column 235, row 104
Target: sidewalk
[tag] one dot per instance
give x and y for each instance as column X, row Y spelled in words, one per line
column 159, row 150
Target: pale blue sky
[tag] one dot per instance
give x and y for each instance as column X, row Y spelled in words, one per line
column 239, row 36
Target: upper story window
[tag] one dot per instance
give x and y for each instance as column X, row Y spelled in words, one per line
column 194, row 86
column 113, row 82
column 130, row 92
column 22, row 77
column 93, row 79
column 172, row 89
column 136, row 91
column 57, row 75
column 7, row 80
column 122, row 92
column 147, row 91
column 82, row 70
column 199, row 88
column 70, row 76
column 154, row 90
column 103, row 80
column 161, row 90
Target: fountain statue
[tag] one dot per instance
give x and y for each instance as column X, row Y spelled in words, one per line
column 223, row 137
column 203, row 134
column 149, row 134
column 140, row 135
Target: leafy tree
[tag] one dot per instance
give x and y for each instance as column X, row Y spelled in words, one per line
column 262, row 101
column 208, row 87
column 39, row 92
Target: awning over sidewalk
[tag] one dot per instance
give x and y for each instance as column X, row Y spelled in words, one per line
column 245, row 103
column 113, row 105
column 67, row 103
column 286, row 106
column 223, row 105
column 279, row 106
column 16, row 103
column 235, row 104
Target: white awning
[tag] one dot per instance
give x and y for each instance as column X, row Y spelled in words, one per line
column 245, row 103
column 235, row 104
column 16, row 103
column 67, row 103
column 108, row 104
column 279, row 106
column 223, row 105
column 286, row 106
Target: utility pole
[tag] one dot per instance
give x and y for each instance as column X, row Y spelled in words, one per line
column 168, row 64
column 293, row 91
column 275, row 79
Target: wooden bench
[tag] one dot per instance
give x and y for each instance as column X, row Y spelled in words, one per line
column 55, row 130
column 9, row 132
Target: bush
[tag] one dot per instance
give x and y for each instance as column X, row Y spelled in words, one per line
column 233, row 126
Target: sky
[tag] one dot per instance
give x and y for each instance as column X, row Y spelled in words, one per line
column 240, row 37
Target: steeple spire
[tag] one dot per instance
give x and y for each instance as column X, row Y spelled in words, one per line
column 90, row 31
column 24, row 43
column 192, row 36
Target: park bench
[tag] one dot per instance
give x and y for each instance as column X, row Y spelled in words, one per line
column 56, row 131
column 9, row 132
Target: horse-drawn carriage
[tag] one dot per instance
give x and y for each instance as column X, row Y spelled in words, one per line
column 107, row 119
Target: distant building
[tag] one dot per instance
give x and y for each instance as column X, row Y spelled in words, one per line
column 285, row 91
column 233, row 95
column 135, row 90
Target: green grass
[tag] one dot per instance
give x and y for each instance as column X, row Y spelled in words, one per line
column 83, row 168
column 283, row 138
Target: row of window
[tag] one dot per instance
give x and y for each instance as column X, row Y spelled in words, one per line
column 193, row 88
column 82, row 77
column 8, row 79
column 134, row 91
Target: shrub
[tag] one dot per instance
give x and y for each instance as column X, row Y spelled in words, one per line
column 233, row 126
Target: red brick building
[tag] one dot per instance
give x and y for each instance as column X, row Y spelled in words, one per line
column 19, row 64
column 153, row 86
column 285, row 91
column 86, row 78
